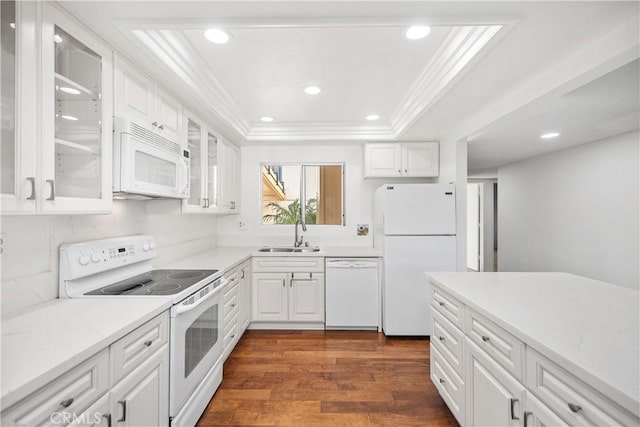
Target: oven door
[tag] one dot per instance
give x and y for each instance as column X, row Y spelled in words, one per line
column 149, row 170
column 196, row 344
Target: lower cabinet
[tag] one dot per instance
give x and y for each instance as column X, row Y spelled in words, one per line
column 87, row 395
column 493, row 396
column 237, row 305
column 288, row 297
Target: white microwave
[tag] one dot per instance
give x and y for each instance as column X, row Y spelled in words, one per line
column 147, row 165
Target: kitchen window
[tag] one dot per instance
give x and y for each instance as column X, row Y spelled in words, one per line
column 316, row 190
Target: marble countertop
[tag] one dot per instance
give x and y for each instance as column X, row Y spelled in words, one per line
column 43, row 342
column 223, row 258
column 591, row 328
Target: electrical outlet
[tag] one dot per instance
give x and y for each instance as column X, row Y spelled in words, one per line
column 242, row 225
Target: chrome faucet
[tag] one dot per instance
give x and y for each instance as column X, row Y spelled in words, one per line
column 297, row 242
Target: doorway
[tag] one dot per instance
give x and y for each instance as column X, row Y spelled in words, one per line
column 481, row 225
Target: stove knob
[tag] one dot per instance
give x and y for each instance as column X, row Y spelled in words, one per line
column 152, row 245
column 84, row 259
column 145, row 247
column 95, row 257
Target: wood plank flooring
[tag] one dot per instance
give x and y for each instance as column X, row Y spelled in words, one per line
column 332, row 378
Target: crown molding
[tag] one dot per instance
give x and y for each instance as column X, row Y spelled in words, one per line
column 167, row 42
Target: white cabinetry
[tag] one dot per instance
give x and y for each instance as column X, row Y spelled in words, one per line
column 74, row 74
column 230, row 184
column 504, row 381
column 287, row 291
column 245, row 295
column 141, row 100
column 237, row 305
column 388, row 160
column 89, row 395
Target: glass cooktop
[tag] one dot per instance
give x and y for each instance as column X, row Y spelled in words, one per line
column 155, row 282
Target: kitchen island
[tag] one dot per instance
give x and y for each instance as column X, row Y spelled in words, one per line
column 549, row 346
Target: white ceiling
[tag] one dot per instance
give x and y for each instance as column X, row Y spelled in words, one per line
column 607, row 106
column 437, row 88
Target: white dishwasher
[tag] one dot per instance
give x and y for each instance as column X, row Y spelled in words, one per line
column 352, row 293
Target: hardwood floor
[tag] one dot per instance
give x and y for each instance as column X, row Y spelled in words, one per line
column 318, row 378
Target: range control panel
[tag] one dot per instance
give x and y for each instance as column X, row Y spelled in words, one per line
column 87, row 258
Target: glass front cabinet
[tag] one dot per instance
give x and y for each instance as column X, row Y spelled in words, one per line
column 67, row 125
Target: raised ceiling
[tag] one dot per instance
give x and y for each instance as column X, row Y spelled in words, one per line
column 520, row 53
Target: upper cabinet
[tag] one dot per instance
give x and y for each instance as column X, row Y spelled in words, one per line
column 73, row 108
column 214, row 179
column 141, row 100
column 414, row 159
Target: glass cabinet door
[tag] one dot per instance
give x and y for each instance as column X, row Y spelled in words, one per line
column 76, row 116
column 17, row 106
column 194, row 143
column 212, row 170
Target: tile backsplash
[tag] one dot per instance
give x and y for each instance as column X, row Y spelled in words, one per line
column 29, row 262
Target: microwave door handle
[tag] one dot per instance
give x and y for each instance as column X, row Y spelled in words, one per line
column 180, row 309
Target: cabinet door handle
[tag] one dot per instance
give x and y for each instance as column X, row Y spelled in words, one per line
column 441, row 303
column 283, row 285
column 513, row 402
column 242, row 271
column 526, row 415
column 441, row 338
column 53, row 189
column 441, row 381
column 108, row 417
column 233, row 205
column 161, row 127
column 575, row 408
column 233, row 305
column 124, row 410
column 148, row 343
column 399, row 171
column 154, row 124
column 32, row 180
column 485, row 338
column 405, row 171
column 66, row 403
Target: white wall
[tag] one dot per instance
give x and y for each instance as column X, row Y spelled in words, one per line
column 30, row 258
column 574, row 210
column 358, row 195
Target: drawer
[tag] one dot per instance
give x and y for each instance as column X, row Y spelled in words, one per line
column 232, row 277
column 230, row 331
column 449, row 341
column 292, row 264
column 231, row 302
column 504, row 348
column 134, row 348
column 449, row 384
column 70, row 393
column 448, row 306
column 569, row 397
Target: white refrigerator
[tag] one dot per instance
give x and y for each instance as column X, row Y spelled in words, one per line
column 415, row 226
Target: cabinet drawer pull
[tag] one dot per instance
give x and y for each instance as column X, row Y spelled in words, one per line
column 52, row 196
column 441, row 338
column 32, row 180
column 124, row 410
column 441, row 303
column 513, row 402
column 108, row 417
column 233, row 305
column 485, row 338
column 148, row 343
column 441, row 381
column 526, row 415
column 154, row 124
column 233, row 336
column 283, row 285
column 161, row 127
column 575, row 408
column 242, row 271
column 66, row 403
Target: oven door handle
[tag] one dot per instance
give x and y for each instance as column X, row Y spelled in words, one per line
column 180, row 309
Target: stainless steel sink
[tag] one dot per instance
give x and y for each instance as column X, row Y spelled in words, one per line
column 289, row 250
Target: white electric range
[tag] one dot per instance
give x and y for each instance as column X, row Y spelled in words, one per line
column 121, row 268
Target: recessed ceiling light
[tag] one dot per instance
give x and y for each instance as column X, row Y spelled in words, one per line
column 417, row 32
column 312, row 90
column 372, row 117
column 69, row 90
column 57, row 38
column 217, row 36
column 266, row 119
column 72, row 118
column 549, row 135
